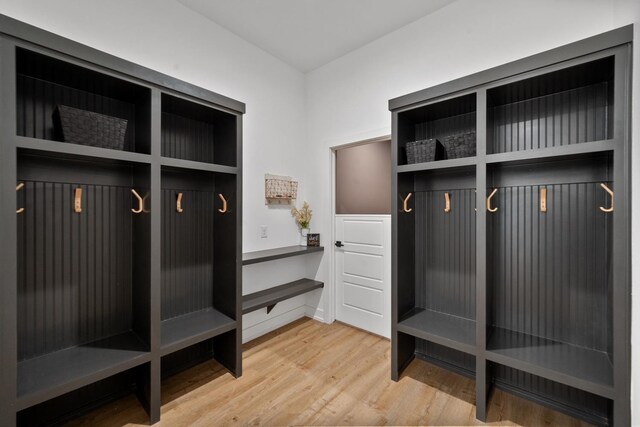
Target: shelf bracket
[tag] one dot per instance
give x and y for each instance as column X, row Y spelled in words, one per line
column 179, row 204
column 405, row 204
column 77, row 204
column 140, row 202
column 447, row 202
column 543, row 199
column 270, row 307
column 489, row 208
column 18, row 188
column 610, row 191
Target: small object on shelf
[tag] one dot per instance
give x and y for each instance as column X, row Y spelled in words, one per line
column 313, row 239
column 493, row 193
column 18, row 188
column 303, row 219
column 224, row 208
column 279, row 189
column 88, row 128
column 77, row 204
column 140, row 202
column 179, row 203
column 459, row 145
column 425, row 150
column 610, row 191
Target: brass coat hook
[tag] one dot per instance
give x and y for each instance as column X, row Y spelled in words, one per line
column 179, row 203
column 489, row 208
column 224, row 204
column 608, row 190
column 447, row 202
column 543, row 199
column 140, row 202
column 405, row 204
column 77, row 203
column 18, row 188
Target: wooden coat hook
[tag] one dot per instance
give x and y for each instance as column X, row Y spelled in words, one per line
column 77, row 200
column 543, row 199
column 610, row 191
column 140, row 202
column 18, row 188
column 405, row 204
column 489, row 208
column 224, row 204
column 179, row 203
column 447, row 202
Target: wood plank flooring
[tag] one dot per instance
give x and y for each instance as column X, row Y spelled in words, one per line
column 310, row 373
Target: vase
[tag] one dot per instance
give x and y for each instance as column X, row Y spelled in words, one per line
column 303, row 236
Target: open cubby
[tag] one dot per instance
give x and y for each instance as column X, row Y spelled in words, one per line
column 43, row 82
column 198, row 257
column 455, row 116
column 569, row 106
column 83, row 277
column 541, row 297
column 549, row 273
column 437, row 257
column 192, row 131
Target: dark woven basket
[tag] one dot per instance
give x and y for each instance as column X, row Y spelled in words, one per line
column 460, row 145
column 425, row 150
column 89, row 128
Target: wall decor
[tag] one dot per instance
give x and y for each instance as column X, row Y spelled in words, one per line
column 280, row 190
column 313, row 239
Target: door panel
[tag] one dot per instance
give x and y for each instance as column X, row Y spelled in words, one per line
column 363, row 272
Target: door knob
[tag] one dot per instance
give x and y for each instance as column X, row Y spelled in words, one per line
column 339, row 243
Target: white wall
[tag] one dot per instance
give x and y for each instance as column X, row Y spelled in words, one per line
column 165, row 36
column 347, row 98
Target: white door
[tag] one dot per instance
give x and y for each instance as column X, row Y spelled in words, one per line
column 363, row 272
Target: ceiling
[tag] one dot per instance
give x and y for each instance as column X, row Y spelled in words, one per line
column 310, row 33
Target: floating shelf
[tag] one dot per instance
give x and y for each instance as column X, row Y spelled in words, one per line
column 441, row 328
column 54, row 374
column 578, row 367
column 183, row 331
column 278, row 253
column 270, row 297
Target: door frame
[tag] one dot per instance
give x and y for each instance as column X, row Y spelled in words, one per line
column 332, row 297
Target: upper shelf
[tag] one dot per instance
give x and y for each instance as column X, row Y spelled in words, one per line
column 278, row 253
column 441, row 164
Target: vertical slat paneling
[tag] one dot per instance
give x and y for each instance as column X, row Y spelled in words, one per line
column 551, row 270
column 445, row 252
column 187, row 139
column 570, row 117
column 447, row 126
column 74, row 283
column 187, row 252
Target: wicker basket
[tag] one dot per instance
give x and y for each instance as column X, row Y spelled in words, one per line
column 280, row 188
column 88, row 128
column 425, row 150
column 460, row 145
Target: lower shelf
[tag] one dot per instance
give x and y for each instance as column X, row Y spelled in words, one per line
column 270, row 297
column 441, row 328
column 186, row 330
column 45, row 377
column 579, row 367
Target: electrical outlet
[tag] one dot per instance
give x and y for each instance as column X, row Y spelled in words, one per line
column 263, row 231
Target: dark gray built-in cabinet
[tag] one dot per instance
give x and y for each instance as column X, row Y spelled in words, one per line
column 512, row 266
column 118, row 266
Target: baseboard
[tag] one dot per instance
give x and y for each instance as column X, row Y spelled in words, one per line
column 315, row 313
column 272, row 323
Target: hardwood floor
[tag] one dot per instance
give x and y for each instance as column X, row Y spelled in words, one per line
column 310, row 373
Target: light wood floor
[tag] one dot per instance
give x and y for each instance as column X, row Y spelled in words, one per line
column 310, row 373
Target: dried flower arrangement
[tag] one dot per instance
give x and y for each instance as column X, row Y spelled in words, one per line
column 302, row 216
